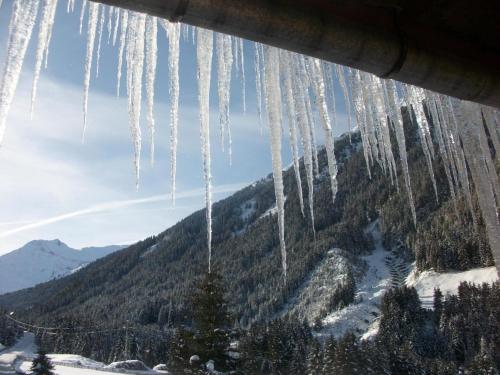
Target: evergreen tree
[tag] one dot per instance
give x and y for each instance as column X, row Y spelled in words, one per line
column 211, row 320
column 315, row 359
column 42, row 365
column 438, row 304
column 329, row 356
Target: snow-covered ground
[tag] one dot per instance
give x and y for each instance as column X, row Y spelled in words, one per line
column 18, row 359
column 448, row 282
column 362, row 316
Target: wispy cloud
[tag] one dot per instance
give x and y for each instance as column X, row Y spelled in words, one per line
column 117, row 205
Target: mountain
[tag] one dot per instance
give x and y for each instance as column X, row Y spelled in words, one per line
column 41, row 260
column 150, row 283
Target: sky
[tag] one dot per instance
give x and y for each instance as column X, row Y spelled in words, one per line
column 55, row 186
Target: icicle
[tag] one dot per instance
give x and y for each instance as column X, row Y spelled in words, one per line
column 437, row 121
column 380, row 111
column 82, row 14
column 327, row 68
column 91, row 33
column 360, row 113
column 135, row 67
column 123, row 36
column 21, row 25
column 50, row 28
column 110, row 22
column 242, row 77
column 319, row 89
column 493, row 128
column 273, row 94
column 117, row 23
column 415, row 97
column 151, row 58
column 1, row 3
column 468, row 125
column 257, row 84
column 46, row 22
column 301, row 97
column 101, row 30
column 224, row 68
column 173, row 31
column 292, row 117
column 345, row 91
column 204, row 57
column 397, row 121
column 312, row 129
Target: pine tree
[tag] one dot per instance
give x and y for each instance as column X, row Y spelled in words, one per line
column 42, row 365
column 438, row 305
column 315, row 359
column 329, row 356
column 211, row 320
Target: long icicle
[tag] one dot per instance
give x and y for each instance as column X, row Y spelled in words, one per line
column 82, row 14
column 21, row 25
column 151, row 59
column 93, row 15
column 135, row 68
column 204, row 50
column 46, row 22
column 123, row 37
column 292, row 118
column 173, row 31
column 224, row 69
column 319, row 89
column 273, row 94
column 99, row 41
column 397, row 120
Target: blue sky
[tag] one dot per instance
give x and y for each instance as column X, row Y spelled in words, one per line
column 53, row 186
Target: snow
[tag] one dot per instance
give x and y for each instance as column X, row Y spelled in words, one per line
column 448, row 282
column 18, row 359
column 128, row 365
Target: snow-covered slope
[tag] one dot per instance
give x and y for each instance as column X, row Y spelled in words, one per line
column 448, row 282
column 40, row 261
column 361, row 317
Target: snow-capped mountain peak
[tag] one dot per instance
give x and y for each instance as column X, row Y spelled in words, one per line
column 43, row 260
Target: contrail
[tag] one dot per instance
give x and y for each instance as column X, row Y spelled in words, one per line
column 114, row 205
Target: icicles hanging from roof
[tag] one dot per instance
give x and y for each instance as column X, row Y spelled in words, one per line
column 465, row 133
column 91, row 32
column 273, row 94
column 21, row 25
column 46, row 23
column 204, row 57
column 151, row 58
